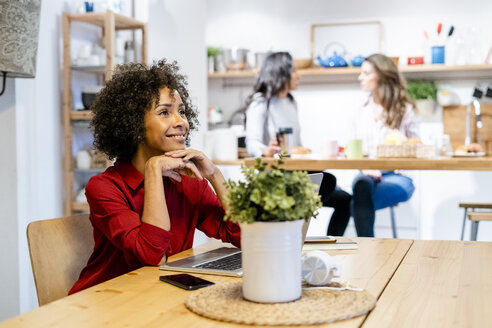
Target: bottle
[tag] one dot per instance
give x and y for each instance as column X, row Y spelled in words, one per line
column 446, row 150
column 83, row 159
column 129, row 52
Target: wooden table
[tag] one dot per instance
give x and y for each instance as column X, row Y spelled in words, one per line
column 139, row 299
column 390, row 164
column 417, row 283
column 439, row 284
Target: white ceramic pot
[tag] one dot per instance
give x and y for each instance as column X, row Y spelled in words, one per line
column 425, row 107
column 271, row 261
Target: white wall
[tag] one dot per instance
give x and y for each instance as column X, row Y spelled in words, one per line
column 323, row 108
column 177, row 32
column 39, row 143
column 31, row 125
column 9, row 256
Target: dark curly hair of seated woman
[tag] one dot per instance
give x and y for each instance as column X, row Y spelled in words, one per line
column 149, row 203
column 119, row 109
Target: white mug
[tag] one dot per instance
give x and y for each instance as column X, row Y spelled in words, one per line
column 330, row 149
column 319, row 268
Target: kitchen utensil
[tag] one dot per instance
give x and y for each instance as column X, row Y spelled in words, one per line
column 488, row 93
column 221, row 144
column 235, row 58
column 260, row 58
column 426, row 35
column 353, row 149
column 302, row 63
column 83, row 159
column 89, row 6
column 475, row 103
column 357, row 61
column 438, row 55
column 334, row 60
column 439, row 29
column 451, row 30
column 89, row 94
column 129, row 52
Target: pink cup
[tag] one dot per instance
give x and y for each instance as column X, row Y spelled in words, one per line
column 330, row 149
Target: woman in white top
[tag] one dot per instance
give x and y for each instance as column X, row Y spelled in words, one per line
column 388, row 110
column 270, row 107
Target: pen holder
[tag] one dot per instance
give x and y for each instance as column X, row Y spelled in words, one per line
column 438, row 55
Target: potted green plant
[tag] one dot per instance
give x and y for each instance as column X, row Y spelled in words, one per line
column 424, row 93
column 271, row 207
column 212, row 53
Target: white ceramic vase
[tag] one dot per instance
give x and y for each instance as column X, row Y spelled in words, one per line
column 271, row 261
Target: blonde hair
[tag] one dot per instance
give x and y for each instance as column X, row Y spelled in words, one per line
column 391, row 89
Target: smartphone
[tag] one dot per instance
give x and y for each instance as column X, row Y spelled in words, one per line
column 186, row 281
column 320, row 239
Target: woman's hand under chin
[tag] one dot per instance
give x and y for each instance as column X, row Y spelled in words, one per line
column 196, row 159
column 172, row 167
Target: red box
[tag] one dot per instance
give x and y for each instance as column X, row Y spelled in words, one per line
column 415, row 60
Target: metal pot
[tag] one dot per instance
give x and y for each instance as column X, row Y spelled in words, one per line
column 260, row 58
column 235, row 58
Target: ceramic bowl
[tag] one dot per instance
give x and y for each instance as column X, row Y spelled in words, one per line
column 302, row 63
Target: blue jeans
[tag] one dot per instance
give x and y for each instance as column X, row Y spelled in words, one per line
column 370, row 195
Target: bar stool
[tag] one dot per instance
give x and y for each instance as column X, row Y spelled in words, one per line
column 393, row 225
column 475, row 218
column 472, row 205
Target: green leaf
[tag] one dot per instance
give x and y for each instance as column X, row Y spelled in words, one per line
column 271, row 195
column 422, row 90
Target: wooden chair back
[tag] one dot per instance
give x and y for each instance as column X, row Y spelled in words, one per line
column 59, row 250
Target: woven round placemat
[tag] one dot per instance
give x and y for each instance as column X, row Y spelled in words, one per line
column 225, row 302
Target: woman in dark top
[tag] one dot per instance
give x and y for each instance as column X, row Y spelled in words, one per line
column 271, row 106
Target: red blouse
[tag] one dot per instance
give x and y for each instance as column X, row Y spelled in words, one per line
column 124, row 243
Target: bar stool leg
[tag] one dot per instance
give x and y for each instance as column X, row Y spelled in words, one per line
column 464, row 223
column 474, row 230
column 393, row 225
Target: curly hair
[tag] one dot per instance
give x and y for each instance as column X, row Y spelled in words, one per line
column 120, row 107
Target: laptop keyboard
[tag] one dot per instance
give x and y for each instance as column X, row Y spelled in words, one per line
column 228, row 263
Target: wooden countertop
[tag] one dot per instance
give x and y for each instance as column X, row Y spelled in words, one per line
column 139, row 299
column 455, row 163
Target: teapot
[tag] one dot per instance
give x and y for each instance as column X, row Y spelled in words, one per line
column 334, row 60
column 357, row 61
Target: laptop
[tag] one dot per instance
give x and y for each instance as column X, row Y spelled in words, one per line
column 224, row 261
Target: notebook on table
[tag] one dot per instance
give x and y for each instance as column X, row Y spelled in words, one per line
column 224, row 261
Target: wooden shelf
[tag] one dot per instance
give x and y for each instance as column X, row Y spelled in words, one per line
column 350, row 74
column 108, row 22
column 81, row 115
column 80, row 207
column 120, row 22
column 89, row 69
column 232, row 162
column 89, row 171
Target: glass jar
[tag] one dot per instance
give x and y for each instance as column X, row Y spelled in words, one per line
column 445, row 149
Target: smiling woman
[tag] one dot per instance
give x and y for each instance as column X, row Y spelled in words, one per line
column 146, row 207
column 166, row 124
